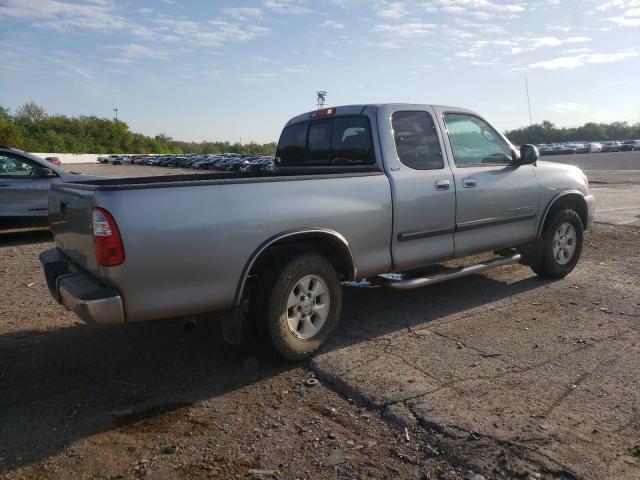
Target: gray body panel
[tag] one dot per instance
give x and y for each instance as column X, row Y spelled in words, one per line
column 186, row 248
column 188, row 244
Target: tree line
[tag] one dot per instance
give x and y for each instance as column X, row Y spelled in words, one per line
column 30, row 128
column 547, row 132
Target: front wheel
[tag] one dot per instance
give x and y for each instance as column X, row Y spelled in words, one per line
column 561, row 244
column 297, row 305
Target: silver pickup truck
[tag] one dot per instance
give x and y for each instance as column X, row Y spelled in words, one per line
column 359, row 191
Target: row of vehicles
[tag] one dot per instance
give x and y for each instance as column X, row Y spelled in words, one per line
column 222, row 161
column 571, row 148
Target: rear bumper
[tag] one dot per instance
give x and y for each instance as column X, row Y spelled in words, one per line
column 80, row 292
column 591, row 210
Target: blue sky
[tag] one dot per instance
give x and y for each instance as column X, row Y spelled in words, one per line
column 223, row 70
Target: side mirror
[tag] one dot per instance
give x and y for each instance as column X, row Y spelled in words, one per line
column 528, row 155
column 47, row 173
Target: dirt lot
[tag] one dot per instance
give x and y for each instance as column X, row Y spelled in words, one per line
column 502, row 374
column 191, row 407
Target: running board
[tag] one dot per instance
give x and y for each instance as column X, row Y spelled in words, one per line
column 411, row 283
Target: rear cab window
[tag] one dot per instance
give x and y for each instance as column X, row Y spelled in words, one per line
column 339, row 141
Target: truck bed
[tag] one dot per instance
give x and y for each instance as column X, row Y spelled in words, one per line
column 186, row 248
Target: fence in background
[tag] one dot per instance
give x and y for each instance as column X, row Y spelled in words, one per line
column 72, row 157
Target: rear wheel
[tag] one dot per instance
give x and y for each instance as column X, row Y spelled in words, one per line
column 297, row 305
column 561, row 244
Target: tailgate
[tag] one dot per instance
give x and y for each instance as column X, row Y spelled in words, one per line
column 70, row 215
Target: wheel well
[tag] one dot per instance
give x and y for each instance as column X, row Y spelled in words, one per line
column 574, row 201
column 333, row 247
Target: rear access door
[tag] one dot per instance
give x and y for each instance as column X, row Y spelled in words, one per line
column 422, row 186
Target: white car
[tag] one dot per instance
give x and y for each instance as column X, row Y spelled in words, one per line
column 594, row 147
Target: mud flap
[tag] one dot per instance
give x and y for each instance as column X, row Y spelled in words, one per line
column 232, row 322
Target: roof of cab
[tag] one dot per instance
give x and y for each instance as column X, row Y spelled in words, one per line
column 359, row 110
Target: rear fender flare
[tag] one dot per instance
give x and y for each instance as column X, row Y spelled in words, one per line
column 304, row 234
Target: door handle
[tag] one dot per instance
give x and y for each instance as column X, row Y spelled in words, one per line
column 469, row 182
column 443, row 185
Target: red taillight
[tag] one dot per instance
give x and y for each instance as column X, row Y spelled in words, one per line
column 109, row 248
column 325, row 112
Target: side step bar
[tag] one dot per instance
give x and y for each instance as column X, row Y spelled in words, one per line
column 411, row 283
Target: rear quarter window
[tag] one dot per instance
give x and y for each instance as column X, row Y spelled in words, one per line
column 292, row 145
column 340, row 141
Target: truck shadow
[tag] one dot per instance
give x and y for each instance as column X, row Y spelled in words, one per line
column 64, row 385
column 23, row 236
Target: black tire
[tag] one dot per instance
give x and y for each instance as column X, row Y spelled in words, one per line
column 549, row 266
column 269, row 311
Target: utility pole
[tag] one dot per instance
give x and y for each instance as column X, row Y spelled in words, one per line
column 526, row 86
column 116, row 110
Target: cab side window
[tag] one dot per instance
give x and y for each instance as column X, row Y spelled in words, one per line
column 416, row 140
column 475, row 142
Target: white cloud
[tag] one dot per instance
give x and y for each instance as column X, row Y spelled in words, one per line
column 133, row 51
column 62, row 15
column 287, row 7
column 243, row 13
column 213, row 33
column 391, row 9
column 256, row 77
column 300, row 69
column 526, row 45
column 630, row 18
column 405, row 30
column 618, row 4
column 474, row 7
column 569, row 63
column 332, row 24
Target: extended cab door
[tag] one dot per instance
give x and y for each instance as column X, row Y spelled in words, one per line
column 422, row 186
column 497, row 203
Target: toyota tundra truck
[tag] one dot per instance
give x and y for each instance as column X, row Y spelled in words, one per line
column 359, row 191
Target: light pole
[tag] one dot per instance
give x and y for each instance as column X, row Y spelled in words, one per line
column 116, row 110
column 322, row 97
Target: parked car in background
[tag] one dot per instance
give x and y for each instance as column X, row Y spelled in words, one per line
column 630, row 145
column 360, row 191
column 611, row 146
column 25, row 180
column 102, row 159
column 54, row 160
column 594, row 147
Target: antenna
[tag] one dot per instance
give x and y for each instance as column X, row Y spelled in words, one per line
column 116, row 110
column 322, row 97
column 526, row 86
